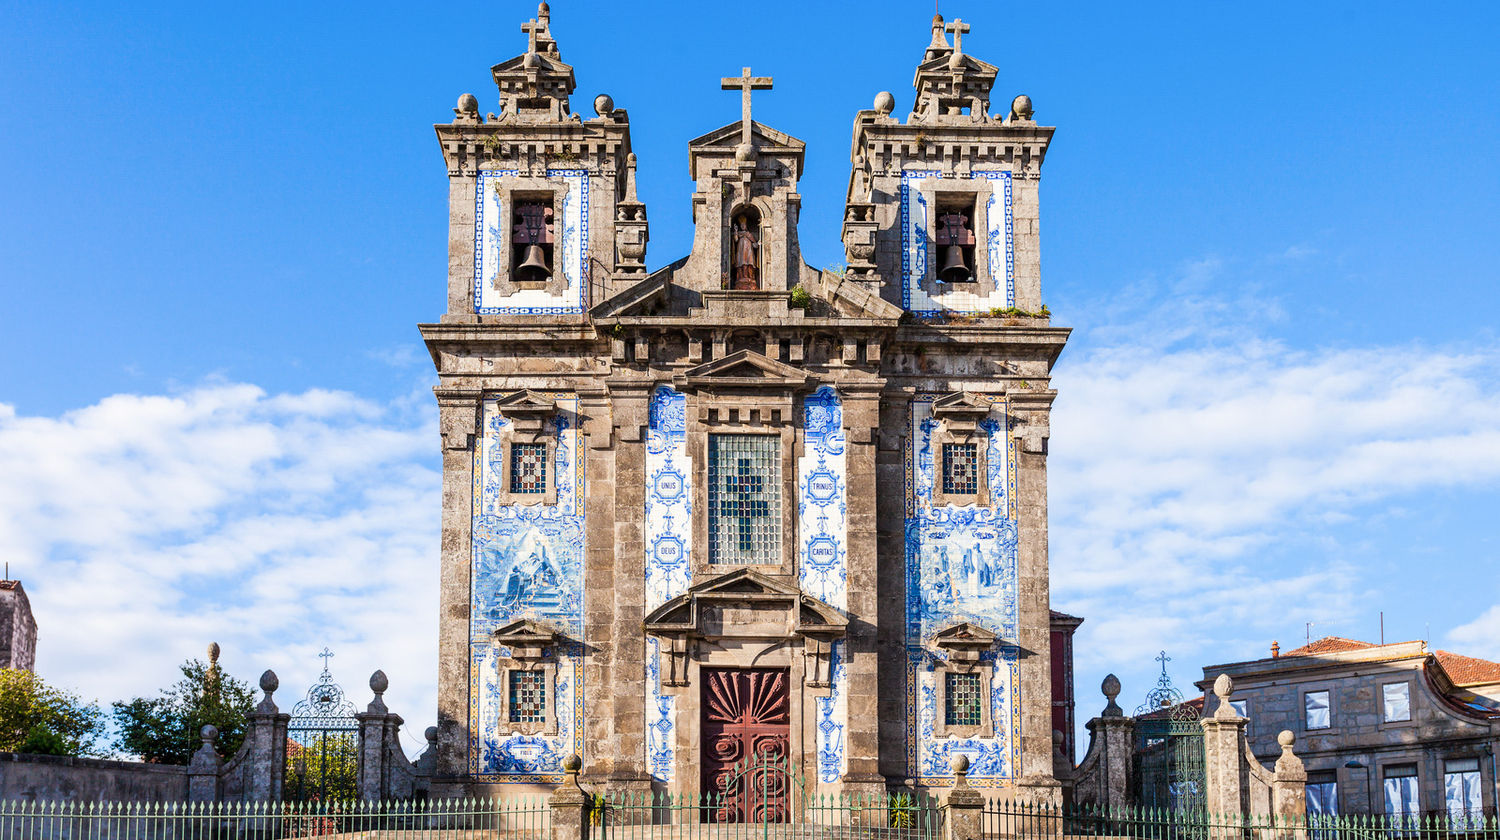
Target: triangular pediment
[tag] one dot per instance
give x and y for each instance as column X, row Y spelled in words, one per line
column 525, row 630
column 681, row 615
column 746, row 368
column 526, row 402
column 964, row 635
column 961, row 403
column 968, row 66
column 728, row 136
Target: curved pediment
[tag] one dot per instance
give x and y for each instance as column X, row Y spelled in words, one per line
column 746, row 604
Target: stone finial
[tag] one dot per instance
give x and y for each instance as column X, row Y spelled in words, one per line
column 206, row 759
column 213, row 653
column 885, row 103
column 1020, row 109
column 430, row 733
column 939, row 40
column 1286, row 739
column 467, row 109
column 1223, row 689
column 630, row 196
column 1111, row 689
column 209, row 733
column 268, row 683
column 379, row 682
column 961, row 766
column 572, row 764
column 604, row 105
column 1289, row 767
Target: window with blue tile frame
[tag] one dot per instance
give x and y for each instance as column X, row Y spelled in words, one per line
column 744, row 499
column 528, row 468
column 962, row 699
column 528, row 697
column 961, row 468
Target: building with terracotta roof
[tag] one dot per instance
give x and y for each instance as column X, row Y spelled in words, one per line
column 1382, row 728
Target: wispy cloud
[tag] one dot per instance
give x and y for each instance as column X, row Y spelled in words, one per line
column 1181, row 465
column 145, row 527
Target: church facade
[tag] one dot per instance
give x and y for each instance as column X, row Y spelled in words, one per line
column 738, row 507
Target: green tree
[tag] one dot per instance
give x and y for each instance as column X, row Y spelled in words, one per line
column 38, row 718
column 166, row 729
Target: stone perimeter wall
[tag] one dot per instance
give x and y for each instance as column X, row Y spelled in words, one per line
column 60, row 778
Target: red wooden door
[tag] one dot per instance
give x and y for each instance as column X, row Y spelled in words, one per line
column 746, row 743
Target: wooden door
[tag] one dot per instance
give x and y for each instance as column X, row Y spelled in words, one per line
column 746, row 738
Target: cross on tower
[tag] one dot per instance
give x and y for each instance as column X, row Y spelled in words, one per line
column 746, row 83
column 533, row 28
column 958, row 28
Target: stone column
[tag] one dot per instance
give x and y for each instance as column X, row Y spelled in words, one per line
column 861, row 420
column 570, row 804
column 1223, row 755
column 377, row 726
column 890, row 508
column 203, row 770
column 965, row 806
column 624, row 755
column 458, row 422
column 1102, row 781
column 1036, row 783
column 1289, row 790
column 265, row 733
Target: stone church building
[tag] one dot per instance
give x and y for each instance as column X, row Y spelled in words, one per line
column 737, row 506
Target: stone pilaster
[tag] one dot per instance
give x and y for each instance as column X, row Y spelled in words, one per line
column 458, row 421
column 861, row 421
column 890, row 511
column 1034, row 604
column 626, row 749
column 203, row 770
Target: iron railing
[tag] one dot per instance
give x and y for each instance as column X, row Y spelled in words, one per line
column 696, row 816
column 448, row 819
column 1001, row 819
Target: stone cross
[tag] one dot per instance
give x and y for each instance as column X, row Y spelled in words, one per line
column 958, row 28
column 533, row 28
column 746, row 83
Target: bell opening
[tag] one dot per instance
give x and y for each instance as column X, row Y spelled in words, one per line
column 955, row 241
column 531, row 259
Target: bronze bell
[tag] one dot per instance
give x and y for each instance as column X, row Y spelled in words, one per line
column 954, row 270
column 534, row 267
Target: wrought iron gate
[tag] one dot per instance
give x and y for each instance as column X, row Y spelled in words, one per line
column 1169, row 766
column 746, row 744
column 322, row 753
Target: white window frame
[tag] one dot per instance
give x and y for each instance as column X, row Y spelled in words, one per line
column 1385, row 702
column 1327, row 709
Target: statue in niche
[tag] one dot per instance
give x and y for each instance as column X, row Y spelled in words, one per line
column 746, row 253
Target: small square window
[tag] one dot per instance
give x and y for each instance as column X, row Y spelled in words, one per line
column 961, row 468
column 1396, row 699
column 1315, row 703
column 528, row 697
column 528, row 468
column 962, row 700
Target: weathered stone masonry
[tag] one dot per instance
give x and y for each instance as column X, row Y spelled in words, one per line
column 737, row 471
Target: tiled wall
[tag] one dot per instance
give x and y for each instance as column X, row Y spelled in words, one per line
column 961, row 567
column 528, row 563
column 918, row 256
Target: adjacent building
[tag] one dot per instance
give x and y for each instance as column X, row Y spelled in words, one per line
column 1382, row 728
column 737, row 506
column 17, row 627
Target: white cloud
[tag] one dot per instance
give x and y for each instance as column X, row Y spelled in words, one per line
column 145, row 527
column 1186, row 461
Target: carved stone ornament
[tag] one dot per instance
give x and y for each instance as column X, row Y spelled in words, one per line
column 745, row 605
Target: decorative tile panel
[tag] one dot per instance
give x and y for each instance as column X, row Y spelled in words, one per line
column 668, row 541
column 492, row 230
column 961, row 566
column 917, row 259
column 527, row 563
column 822, row 567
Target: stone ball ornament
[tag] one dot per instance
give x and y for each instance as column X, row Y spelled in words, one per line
column 1020, row 107
column 961, row 765
column 1110, row 687
column 430, row 733
column 744, row 153
column 572, row 764
column 604, row 105
column 209, row 733
column 1285, row 738
column 467, row 104
column 885, row 103
column 268, row 682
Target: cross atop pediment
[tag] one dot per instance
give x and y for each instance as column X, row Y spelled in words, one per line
column 958, row 28
column 745, row 83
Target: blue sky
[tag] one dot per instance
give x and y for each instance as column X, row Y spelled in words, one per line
column 1272, row 227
